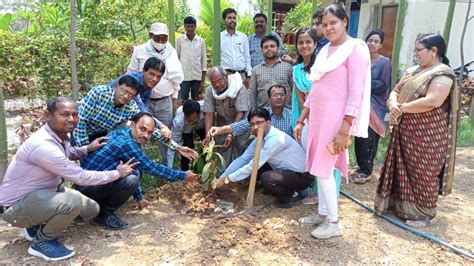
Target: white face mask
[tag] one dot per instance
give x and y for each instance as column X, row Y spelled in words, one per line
column 158, row 46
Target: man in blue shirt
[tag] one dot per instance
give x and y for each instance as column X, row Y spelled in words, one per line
column 153, row 70
column 318, row 27
column 281, row 153
column 106, row 108
column 123, row 145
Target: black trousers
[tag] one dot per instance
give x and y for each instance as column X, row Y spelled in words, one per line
column 112, row 195
column 365, row 151
column 283, row 184
column 188, row 141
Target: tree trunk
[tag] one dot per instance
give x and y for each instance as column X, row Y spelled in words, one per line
column 347, row 7
column 73, row 52
column 461, row 50
column 3, row 137
column 315, row 6
column 216, row 32
column 397, row 41
column 171, row 22
column 270, row 16
column 449, row 21
column 471, row 110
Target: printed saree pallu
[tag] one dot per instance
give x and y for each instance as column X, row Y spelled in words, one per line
column 419, row 158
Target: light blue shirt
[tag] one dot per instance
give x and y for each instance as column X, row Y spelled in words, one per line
column 235, row 53
column 180, row 126
column 282, row 122
column 279, row 150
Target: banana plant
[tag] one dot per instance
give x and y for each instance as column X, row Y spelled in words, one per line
column 206, row 165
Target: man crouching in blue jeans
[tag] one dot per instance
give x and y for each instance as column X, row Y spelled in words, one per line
column 31, row 196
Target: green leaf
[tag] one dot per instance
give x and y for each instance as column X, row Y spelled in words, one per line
column 210, row 150
column 198, row 164
column 5, row 21
column 223, row 162
column 206, row 171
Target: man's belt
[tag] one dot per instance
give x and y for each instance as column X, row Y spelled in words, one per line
column 231, row 71
column 159, row 99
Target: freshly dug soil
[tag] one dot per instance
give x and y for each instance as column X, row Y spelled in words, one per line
column 174, row 230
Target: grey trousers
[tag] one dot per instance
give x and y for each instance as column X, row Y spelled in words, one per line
column 163, row 110
column 56, row 210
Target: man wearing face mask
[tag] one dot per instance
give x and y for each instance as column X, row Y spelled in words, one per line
column 188, row 120
column 166, row 92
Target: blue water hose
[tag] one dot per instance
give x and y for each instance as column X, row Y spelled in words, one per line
column 411, row 229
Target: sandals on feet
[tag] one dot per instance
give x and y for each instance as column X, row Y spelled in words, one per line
column 361, row 178
column 420, row 223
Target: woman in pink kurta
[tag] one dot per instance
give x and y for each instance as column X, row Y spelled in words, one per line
column 335, row 110
column 329, row 100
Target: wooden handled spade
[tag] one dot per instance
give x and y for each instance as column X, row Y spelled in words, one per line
column 253, row 176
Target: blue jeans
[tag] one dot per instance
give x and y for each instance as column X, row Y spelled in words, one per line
column 112, row 195
column 186, row 86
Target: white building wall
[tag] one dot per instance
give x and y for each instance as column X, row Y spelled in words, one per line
column 425, row 16
column 455, row 36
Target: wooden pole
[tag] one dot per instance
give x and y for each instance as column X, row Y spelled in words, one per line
column 379, row 17
column 449, row 21
column 3, row 137
column 270, row 16
column 73, row 52
column 216, row 33
column 253, row 176
column 171, row 22
column 397, row 41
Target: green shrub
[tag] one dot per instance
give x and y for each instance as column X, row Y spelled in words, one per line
column 465, row 133
column 39, row 67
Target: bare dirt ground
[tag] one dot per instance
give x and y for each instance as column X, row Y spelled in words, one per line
column 172, row 231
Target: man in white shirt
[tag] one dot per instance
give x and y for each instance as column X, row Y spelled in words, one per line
column 235, row 55
column 167, row 90
column 280, row 152
column 191, row 50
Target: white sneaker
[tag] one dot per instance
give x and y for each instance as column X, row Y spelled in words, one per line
column 327, row 230
column 313, row 219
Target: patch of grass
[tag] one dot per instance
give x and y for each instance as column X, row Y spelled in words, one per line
column 465, row 132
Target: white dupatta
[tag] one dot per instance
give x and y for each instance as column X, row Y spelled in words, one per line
column 323, row 65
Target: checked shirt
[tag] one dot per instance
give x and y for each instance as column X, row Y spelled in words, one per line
column 98, row 114
column 121, row 146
